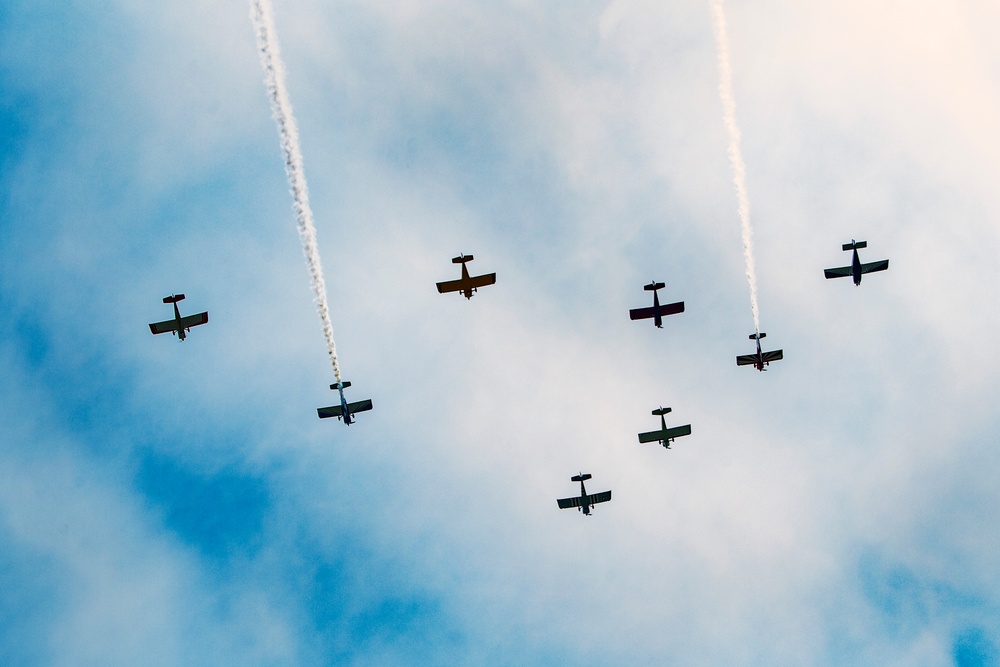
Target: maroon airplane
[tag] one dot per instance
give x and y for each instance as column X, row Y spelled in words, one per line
column 760, row 359
column 657, row 311
column 466, row 284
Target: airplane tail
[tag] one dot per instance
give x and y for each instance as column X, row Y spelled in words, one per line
column 341, row 385
column 174, row 298
column 757, row 336
column 661, row 411
column 653, row 286
column 855, row 245
column 580, row 478
column 462, row 259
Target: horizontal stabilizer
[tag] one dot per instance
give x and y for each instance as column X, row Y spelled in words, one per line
column 855, row 245
column 580, row 478
column 757, row 336
column 345, row 384
column 173, row 299
column 462, row 259
column 872, row 267
column 746, row 359
column 653, row 286
column 841, row 272
column 602, row 497
column 660, row 411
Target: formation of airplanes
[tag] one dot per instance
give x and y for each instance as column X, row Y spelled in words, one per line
column 467, row 285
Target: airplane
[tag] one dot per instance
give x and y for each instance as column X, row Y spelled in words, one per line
column 760, row 359
column 856, row 269
column 583, row 501
column 657, row 311
column 466, row 284
column 179, row 325
column 345, row 410
column 665, row 435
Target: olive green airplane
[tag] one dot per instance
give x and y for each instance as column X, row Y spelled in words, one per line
column 665, row 435
column 179, row 325
column 583, row 502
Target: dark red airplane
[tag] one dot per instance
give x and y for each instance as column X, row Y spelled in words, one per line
column 760, row 359
column 657, row 311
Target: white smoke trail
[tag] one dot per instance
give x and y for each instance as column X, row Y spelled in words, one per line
column 735, row 153
column 281, row 109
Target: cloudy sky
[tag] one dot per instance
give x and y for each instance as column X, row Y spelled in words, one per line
column 166, row 503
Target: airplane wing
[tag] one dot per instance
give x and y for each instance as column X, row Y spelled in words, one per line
column 678, row 431
column 194, row 320
column 665, row 309
column 872, row 267
column 360, row 406
column 602, row 497
column 651, row 436
column 566, row 503
column 332, row 411
column 775, row 355
column 482, row 281
column 450, row 286
column 163, row 327
column 841, row 272
column 746, row 359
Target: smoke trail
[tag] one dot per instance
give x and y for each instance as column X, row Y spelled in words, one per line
column 735, row 153
column 281, row 109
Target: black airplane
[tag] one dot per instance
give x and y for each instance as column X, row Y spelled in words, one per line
column 760, row 359
column 665, row 435
column 179, row 325
column 657, row 311
column 856, row 269
column 583, row 501
column 345, row 410
column 466, row 284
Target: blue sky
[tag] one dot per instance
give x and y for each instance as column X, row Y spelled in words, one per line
column 171, row 504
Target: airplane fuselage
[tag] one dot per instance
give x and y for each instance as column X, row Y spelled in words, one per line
column 177, row 318
column 663, row 428
column 759, row 363
column 467, row 291
column 856, row 268
column 344, row 407
column 584, row 505
column 657, row 318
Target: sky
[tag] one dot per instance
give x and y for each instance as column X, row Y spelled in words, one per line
column 166, row 503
